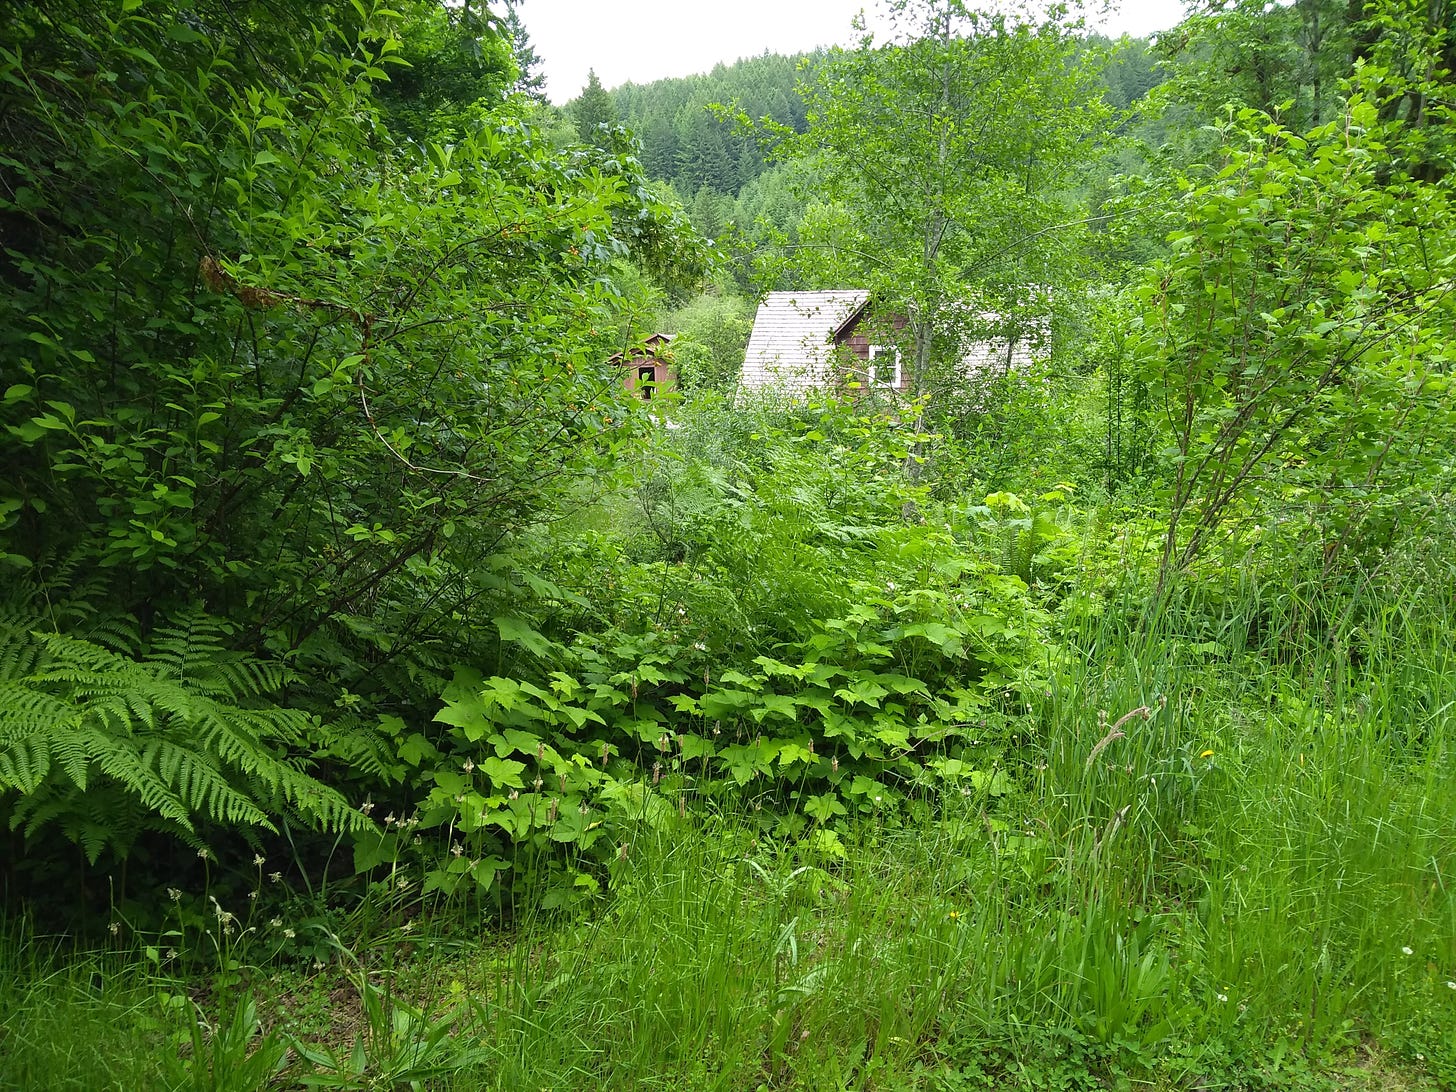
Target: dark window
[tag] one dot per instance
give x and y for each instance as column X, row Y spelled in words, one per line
column 646, row 377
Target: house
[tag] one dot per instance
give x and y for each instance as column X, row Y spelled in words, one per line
column 647, row 369
column 804, row 341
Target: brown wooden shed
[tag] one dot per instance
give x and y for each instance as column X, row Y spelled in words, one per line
column 647, row 369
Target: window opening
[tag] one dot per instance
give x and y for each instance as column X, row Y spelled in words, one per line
column 884, row 370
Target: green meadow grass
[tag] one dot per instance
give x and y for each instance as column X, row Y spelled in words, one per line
column 1246, row 883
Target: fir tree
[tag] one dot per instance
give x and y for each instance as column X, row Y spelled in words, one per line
column 593, row 110
column 530, row 82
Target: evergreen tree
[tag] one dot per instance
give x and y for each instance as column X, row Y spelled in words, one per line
column 530, row 82
column 592, row 110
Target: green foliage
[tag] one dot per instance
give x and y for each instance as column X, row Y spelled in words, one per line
column 447, row 59
column 593, row 112
column 681, row 140
column 711, row 334
column 949, row 151
column 1286, row 369
column 308, row 400
column 779, row 633
column 111, row 736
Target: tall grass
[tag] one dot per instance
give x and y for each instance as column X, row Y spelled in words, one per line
column 1253, row 880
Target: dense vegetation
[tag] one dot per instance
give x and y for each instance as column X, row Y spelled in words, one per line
column 388, row 700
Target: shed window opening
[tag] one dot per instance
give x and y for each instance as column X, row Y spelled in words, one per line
column 646, row 380
column 884, row 366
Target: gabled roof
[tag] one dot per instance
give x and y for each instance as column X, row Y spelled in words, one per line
column 792, row 335
column 649, row 347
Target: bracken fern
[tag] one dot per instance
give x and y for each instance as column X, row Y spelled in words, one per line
column 106, row 745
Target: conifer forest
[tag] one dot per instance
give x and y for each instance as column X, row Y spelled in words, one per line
column 923, row 565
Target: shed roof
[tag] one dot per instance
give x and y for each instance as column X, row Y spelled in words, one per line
column 792, row 335
column 648, row 347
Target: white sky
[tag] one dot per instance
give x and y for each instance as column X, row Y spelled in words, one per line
column 644, row 40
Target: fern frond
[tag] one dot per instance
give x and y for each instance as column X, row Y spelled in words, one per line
column 104, row 744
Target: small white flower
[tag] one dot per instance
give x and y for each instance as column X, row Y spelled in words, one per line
column 275, row 923
column 289, row 933
column 257, row 860
column 174, row 894
column 115, row 928
column 1407, row 950
column 1450, row 985
column 1222, row 996
column 890, row 586
column 275, row 877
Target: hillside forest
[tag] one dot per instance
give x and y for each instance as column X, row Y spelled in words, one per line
column 390, row 698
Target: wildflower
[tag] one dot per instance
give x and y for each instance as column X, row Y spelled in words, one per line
column 537, row 784
column 551, row 812
column 606, row 753
column 656, row 772
column 319, row 964
column 275, row 877
column 1406, row 950
column 174, row 894
column 954, row 915
column 289, row 934
column 115, row 928
column 417, row 841
column 890, row 586
column 367, row 807
column 275, row 923
column 457, row 849
column 1450, row 985
column 834, row 764
column 563, row 782
column 877, row 801
column 407, row 926
column 700, row 646
column 469, row 767
column 584, row 810
column 203, row 854
column 1206, row 754
column 389, row 819
column 258, row 861
column 717, row 728
column 514, row 794
column 171, row 954
column 622, row 852
column 540, row 751
column 1222, row 996
column 252, row 896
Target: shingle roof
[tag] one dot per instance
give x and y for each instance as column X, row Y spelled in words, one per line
column 792, row 336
